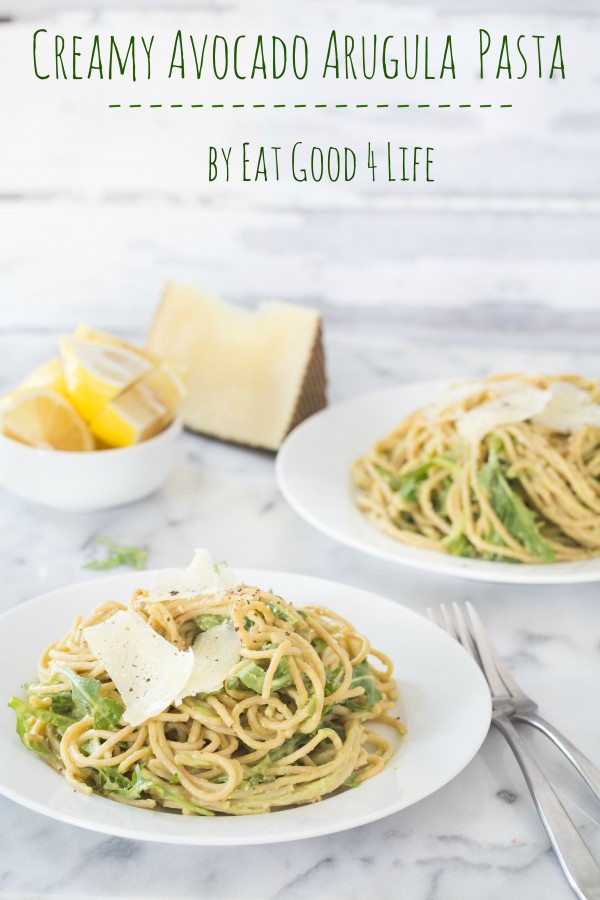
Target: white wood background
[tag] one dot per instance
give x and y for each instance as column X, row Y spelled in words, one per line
column 99, row 207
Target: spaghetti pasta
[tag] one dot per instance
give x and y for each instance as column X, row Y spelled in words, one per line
column 520, row 484
column 289, row 726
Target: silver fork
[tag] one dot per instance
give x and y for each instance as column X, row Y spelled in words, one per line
column 518, row 705
column 578, row 864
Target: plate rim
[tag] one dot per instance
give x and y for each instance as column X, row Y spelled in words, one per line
column 435, row 563
column 316, row 829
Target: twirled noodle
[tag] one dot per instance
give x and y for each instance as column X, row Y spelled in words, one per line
column 522, row 493
column 238, row 751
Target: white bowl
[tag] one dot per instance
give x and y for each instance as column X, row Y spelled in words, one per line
column 83, row 482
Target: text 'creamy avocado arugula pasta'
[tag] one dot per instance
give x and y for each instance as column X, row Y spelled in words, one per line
column 505, row 469
column 205, row 696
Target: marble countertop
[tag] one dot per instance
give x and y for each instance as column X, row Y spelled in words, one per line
column 479, row 836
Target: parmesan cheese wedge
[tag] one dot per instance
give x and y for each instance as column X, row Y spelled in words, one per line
column 200, row 577
column 569, row 409
column 253, row 376
column 516, row 405
column 148, row 671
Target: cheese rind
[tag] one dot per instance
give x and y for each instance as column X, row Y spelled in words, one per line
column 248, row 371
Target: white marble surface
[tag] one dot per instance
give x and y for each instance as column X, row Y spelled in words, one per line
column 480, row 836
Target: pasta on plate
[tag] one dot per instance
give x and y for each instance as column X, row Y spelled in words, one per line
column 286, row 720
column 505, row 469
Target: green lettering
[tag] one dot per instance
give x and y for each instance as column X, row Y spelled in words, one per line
column 483, row 52
column 35, row 66
column 448, row 59
column 59, row 46
column 348, row 51
column 121, row 63
column 178, row 55
column 557, row 55
column 239, row 38
column 95, row 58
column 394, row 61
column 258, row 63
column 76, row 56
column 332, row 51
column 504, row 66
column 148, row 51
column 522, row 55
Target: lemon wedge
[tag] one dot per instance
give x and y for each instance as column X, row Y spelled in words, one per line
column 142, row 410
column 85, row 332
column 49, row 376
column 43, row 418
column 96, row 372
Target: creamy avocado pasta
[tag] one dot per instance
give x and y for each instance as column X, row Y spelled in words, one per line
column 505, row 469
column 224, row 700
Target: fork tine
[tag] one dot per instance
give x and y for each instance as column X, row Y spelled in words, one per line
column 464, row 633
column 501, row 667
column 449, row 625
column 433, row 617
column 484, row 650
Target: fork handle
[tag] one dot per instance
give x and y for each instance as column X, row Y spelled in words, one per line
column 586, row 768
column 578, row 864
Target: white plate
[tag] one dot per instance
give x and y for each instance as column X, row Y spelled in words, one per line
column 313, row 474
column 447, row 700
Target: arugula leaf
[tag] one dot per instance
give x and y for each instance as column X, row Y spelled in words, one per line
column 351, row 781
column 517, row 518
column 253, row 677
column 209, row 620
column 105, row 711
column 24, row 711
column 362, row 676
column 140, row 782
column 458, row 544
column 63, row 703
column 178, row 799
column 440, row 497
column 90, row 746
column 114, row 782
column 259, row 778
column 331, row 680
column 203, row 708
column 282, row 613
column 409, row 483
column 334, row 726
column 118, row 555
column 320, row 645
column 273, row 756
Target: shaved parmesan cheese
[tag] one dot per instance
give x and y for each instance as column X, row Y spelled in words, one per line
column 516, row 405
column 200, row 577
column 454, row 394
column 461, row 391
column 216, row 652
column 568, row 409
column 148, row 671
